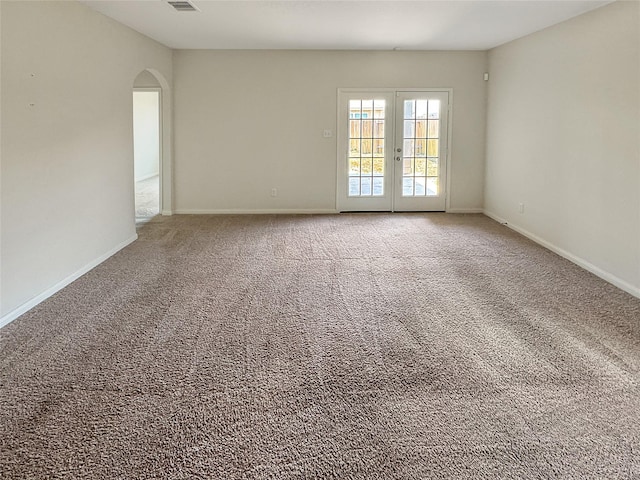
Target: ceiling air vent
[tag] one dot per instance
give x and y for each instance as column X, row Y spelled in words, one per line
column 182, row 6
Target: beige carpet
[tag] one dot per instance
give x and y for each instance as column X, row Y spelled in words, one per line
column 381, row 346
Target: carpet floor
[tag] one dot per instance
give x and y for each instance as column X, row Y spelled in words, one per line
column 353, row 346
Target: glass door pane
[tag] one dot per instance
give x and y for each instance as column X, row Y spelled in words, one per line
column 364, row 182
column 366, row 141
column 421, row 133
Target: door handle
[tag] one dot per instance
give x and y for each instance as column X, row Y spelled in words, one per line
column 398, row 159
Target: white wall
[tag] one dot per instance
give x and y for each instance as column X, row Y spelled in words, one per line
column 1, row 102
column 563, row 138
column 146, row 134
column 67, row 144
column 287, row 98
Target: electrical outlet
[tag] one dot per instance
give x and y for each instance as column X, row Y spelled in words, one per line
column 274, row 192
column 521, row 207
column 327, row 133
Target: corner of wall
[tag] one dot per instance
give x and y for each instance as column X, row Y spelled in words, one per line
column 561, row 162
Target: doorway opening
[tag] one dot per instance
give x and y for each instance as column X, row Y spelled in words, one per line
column 146, row 152
column 152, row 166
column 149, row 147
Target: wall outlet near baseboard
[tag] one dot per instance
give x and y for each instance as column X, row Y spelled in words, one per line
column 521, row 207
column 274, row 192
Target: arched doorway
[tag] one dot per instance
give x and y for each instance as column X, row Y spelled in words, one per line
column 152, row 146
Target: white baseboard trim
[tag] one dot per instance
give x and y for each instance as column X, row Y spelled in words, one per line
column 581, row 262
column 495, row 217
column 166, row 213
column 25, row 307
column 270, row 211
column 465, row 210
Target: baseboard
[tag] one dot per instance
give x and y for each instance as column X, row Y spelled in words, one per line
column 465, row 210
column 166, row 213
column 270, row 211
column 25, row 307
column 287, row 211
column 581, row 262
column 495, row 217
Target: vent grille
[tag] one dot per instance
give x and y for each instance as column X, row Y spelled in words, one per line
column 182, row 6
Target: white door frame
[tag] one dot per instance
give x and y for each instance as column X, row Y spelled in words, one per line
column 343, row 93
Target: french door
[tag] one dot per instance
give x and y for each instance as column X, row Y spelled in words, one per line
column 392, row 150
